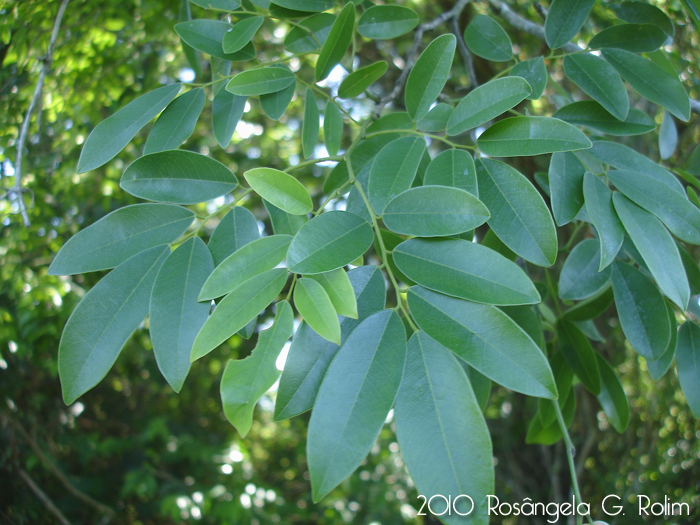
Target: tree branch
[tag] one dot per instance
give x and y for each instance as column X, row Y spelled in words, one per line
column 17, row 189
column 464, row 53
column 43, row 497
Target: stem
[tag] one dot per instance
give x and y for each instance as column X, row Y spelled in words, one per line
column 313, row 161
column 578, row 228
column 333, row 195
column 330, row 99
column 419, row 134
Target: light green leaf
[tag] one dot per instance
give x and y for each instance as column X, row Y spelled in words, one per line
column 337, row 285
column 111, row 135
column 688, row 364
column 637, row 38
column 102, row 322
column 454, row 168
column 436, row 119
column 579, row 355
column 382, row 22
column 487, row 102
column 355, row 397
column 393, row 170
column 641, row 310
column 227, row 109
column 668, row 137
column 434, row 211
column 329, row 241
column 486, row 338
column 237, row 309
column 177, row 177
column 176, row 123
column 280, row 189
column 441, row 431
column 637, row 12
column 300, row 41
column 242, row 33
column 656, row 247
column 564, row 19
column 486, row 38
column 599, row 81
column 580, row 276
column 310, row 354
column 592, row 115
column 332, row 129
column 175, row 316
column 612, row 396
column 358, row 81
column 119, row 235
column 464, row 269
column 428, row 76
column 261, row 81
column 275, row 104
column 520, row 216
column 337, row 43
column 237, row 228
column 527, row 136
column 650, row 81
column 244, row 382
column 207, row 36
column 315, row 6
column 535, row 73
column 254, row 258
column 566, row 186
column 284, row 223
column 316, row 308
column 309, row 126
column 659, row 367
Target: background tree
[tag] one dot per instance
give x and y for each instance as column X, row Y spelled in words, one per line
column 133, row 451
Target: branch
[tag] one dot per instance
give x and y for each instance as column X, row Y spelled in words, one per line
column 43, row 497
column 17, row 189
column 464, row 53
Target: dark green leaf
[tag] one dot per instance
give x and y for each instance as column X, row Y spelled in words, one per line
column 591, row 114
column 454, row 168
column 564, row 19
column 600, row 209
column 223, row 5
column 579, row 355
column 332, row 129
column 309, row 125
column 428, row 76
column 480, row 384
column 284, row 223
column 643, row 13
column 237, row 228
column 580, row 277
column 275, row 104
column 176, row 123
column 535, row 73
column 637, row 38
column 280, row 189
column 119, row 235
column 337, row 43
column 599, row 81
column 436, row 119
column 688, row 364
column 566, row 186
column 316, row 308
column 691, row 269
column 242, row 33
column 591, row 307
column 659, row 367
column 260, row 81
column 300, row 41
column 227, row 110
column 207, row 36
column 381, row 22
column 337, row 285
column 486, row 38
column 315, row 6
column 358, row 81
column 668, row 137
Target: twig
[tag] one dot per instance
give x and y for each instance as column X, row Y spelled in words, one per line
column 43, row 497
column 464, row 53
column 22, row 139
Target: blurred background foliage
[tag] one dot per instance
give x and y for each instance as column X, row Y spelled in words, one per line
column 131, row 451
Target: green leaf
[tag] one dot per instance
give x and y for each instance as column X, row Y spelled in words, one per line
column 486, row 338
column 309, row 126
column 521, row 218
column 391, row 241
column 254, row 258
column 280, row 189
column 261, row 81
column 688, row 364
column 436, row 119
column 275, row 104
column 207, row 36
column 175, row 316
column 650, row 81
column 668, row 137
column 176, row 123
column 242, row 33
column 337, row 285
column 641, row 310
column 564, row 19
column 237, row 228
column 310, row 354
column 642, row 13
column 244, row 382
column 480, row 384
column 223, row 5
column 316, row 308
column 284, row 223
column 680, row 215
column 441, row 431
column 657, row 248
column 315, row 6
column 612, row 396
column 592, row 115
column 599, row 81
column 111, row 135
column 464, row 269
column 454, row 168
column 591, row 307
column 580, row 276
column 393, row 170
column 535, row 73
column 298, row 40
column 237, row 309
column 119, row 235
column 564, row 376
column 487, row 102
column 566, row 186
column 358, row 81
column 337, row 43
column 329, row 241
column 434, row 211
column 177, row 177
column 600, row 209
column 102, row 322
column 691, row 269
column 637, row 38
column 579, row 355
column 332, row 129
column 526, row 136
column 428, row 76
column 355, row 397
column 227, row 109
column 381, row 22
column 486, row 38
